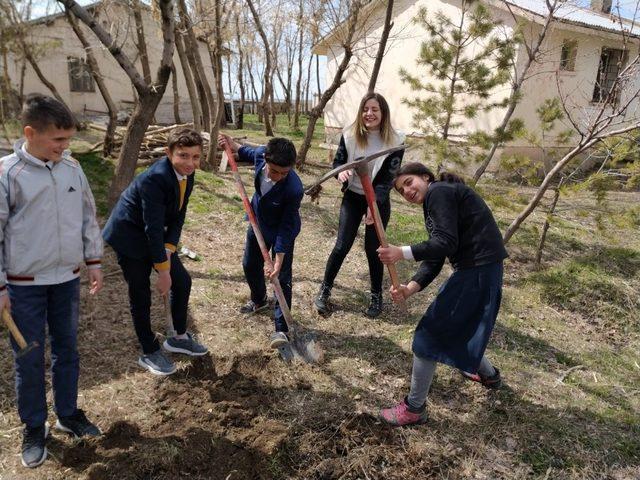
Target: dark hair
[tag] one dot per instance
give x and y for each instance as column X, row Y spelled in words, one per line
column 41, row 112
column 386, row 130
column 416, row 168
column 280, row 152
column 184, row 137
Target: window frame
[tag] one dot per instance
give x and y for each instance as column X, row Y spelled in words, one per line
column 80, row 75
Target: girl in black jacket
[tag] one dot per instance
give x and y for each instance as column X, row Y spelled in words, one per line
column 457, row 325
column 370, row 133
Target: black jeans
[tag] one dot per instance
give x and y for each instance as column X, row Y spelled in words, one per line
column 136, row 273
column 352, row 209
column 253, row 266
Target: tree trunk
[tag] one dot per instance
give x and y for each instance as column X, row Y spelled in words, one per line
column 547, row 222
column 316, row 111
column 217, row 65
column 141, row 42
column 296, row 113
column 193, row 54
column 136, row 128
column 176, row 94
column 240, row 117
column 381, row 47
column 108, row 145
column 191, row 87
column 268, row 89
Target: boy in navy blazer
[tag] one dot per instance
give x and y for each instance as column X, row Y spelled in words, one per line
column 144, row 230
column 276, row 203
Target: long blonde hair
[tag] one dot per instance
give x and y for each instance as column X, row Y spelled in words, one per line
column 386, row 130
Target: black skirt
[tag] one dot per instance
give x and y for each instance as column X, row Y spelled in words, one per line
column 457, row 325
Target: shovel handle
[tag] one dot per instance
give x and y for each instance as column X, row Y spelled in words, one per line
column 277, row 288
column 367, row 186
column 15, row 333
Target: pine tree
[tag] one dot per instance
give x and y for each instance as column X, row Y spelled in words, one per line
column 464, row 60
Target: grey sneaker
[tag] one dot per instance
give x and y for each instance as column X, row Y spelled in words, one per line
column 188, row 346
column 157, row 363
column 278, row 339
column 251, row 307
column 34, row 451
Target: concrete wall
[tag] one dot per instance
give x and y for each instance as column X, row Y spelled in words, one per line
column 57, row 41
column 403, row 50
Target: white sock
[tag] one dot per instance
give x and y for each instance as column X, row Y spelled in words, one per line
column 184, row 336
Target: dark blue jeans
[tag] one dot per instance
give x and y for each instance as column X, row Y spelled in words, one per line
column 253, row 265
column 33, row 307
column 136, row 273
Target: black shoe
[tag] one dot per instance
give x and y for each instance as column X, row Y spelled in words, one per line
column 375, row 305
column 34, row 451
column 494, row 382
column 322, row 300
column 252, row 307
column 78, row 425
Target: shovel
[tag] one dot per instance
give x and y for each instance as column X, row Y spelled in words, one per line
column 301, row 345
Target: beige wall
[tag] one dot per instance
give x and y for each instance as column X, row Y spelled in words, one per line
column 403, row 50
column 58, row 41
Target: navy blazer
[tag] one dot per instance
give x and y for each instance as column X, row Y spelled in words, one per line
column 278, row 212
column 146, row 216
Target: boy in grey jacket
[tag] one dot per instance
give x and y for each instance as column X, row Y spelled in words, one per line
column 48, row 227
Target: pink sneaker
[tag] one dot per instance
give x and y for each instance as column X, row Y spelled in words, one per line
column 399, row 415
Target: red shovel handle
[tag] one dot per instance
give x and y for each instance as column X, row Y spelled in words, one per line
column 284, row 306
column 370, row 195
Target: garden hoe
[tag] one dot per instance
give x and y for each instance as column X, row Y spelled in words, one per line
column 360, row 165
column 301, row 345
column 17, row 336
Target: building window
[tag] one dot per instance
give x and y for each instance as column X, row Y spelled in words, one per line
column 611, row 63
column 568, row 55
column 80, row 78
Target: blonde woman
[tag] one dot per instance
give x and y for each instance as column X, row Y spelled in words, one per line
column 370, row 133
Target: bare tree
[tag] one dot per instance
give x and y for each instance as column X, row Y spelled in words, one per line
column 347, row 44
column 149, row 94
column 388, row 25
column 268, row 88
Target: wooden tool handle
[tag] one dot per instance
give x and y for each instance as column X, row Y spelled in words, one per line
column 367, row 186
column 15, row 333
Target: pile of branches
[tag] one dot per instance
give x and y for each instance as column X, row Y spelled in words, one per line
column 154, row 142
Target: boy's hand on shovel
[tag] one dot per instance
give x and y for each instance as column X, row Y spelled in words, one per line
column 272, row 273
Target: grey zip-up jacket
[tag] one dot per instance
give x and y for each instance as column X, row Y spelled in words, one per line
column 48, row 224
